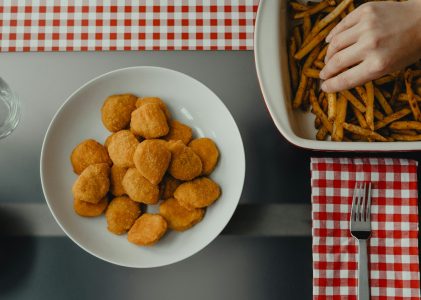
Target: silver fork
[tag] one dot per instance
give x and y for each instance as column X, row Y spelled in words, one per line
column 361, row 230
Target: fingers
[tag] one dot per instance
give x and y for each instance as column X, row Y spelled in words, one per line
column 342, row 40
column 348, row 79
column 349, row 21
column 342, row 60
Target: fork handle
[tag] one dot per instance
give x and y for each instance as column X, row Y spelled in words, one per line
column 363, row 283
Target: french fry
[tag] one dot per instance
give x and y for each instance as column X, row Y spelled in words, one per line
column 405, row 98
column 331, row 106
column 306, row 26
column 364, row 132
column 327, row 20
column 354, row 101
column 324, row 105
column 361, row 92
column 377, row 114
column 315, row 41
column 384, row 79
column 369, row 88
column 298, row 6
column 317, row 123
column 391, row 118
column 328, row 9
column 319, row 112
column 313, row 73
column 360, row 117
column 338, row 130
column 405, row 125
column 322, row 133
column 396, row 90
column 297, row 36
column 314, row 9
column 292, row 64
column 405, row 132
column 351, row 7
column 304, row 79
column 319, row 64
column 382, row 101
column 322, row 53
column 405, row 137
column 411, row 97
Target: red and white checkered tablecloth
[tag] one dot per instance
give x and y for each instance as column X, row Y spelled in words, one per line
column 393, row 246
column 64, row 25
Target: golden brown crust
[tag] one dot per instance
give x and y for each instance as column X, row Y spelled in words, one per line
column 168, row 185
column 116, row 178
column 179, row 131
column 149, row 121
column 178, row 217
column 146, row 100
column 88, row 152
column 151, row 159
column 197, row 193
column 147, row 230
column 116, row 111
column 185, row 164
column 121, row 213
column 122, row 147
column 86, row 209
column 139, row 188
column 93, row 184
column 206, row 149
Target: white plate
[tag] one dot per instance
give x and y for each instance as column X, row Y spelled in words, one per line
column 79, row 118
column 272, row 69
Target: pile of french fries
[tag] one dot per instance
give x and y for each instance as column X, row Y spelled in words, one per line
column 384, row 110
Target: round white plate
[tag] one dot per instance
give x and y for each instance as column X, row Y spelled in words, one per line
column 79, row 118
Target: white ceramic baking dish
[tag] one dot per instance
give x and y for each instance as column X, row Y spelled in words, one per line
column 271, row 58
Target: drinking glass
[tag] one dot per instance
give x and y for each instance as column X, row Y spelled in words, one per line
column 9, row 109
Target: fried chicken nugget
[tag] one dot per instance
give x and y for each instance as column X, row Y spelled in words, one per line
column 185, row 164
column 116, row 111
column 198, row 193
column 122, row 147
column 117, row 174
column 93, row 184
column 179, row 131
column 147, row 230
column 86, row 209
column 151, row 159
column 108, row 140
column 139, row 188
column 168, row 185
column 88, row 152
column 121, row 213
column 145, row 100
column 149, row 121
column 206, row 149
column 178, row 217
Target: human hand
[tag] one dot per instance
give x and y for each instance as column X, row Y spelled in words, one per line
column 375, row 39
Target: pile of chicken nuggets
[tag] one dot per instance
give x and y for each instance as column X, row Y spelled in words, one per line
column 149, row 159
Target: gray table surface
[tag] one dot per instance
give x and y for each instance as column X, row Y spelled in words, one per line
column 265, row 251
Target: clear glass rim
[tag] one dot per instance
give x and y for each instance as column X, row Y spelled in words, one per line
column 14, row 116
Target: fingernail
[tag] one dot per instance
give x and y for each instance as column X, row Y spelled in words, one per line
column 329, row 36
column 322, row 74
column 323, row 87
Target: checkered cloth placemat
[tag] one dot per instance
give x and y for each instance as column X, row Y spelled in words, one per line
column 64, row 25
column 393, row 247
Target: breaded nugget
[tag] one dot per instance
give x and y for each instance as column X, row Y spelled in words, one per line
column 151, row 159
column 145, row 100
column 117, row 174
column 86, row 209
column 200, row 192
column 122, row 147
column 87, row 153
column 147, row 230
column 116, row 111
column 149, row 121
column 208, row 153
column 121, row 213
column 178, row 217
column 108, row 140
column 168, row 185
column 93, row 184
column 139, row 188
column 179, row 131
column 185, row 164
